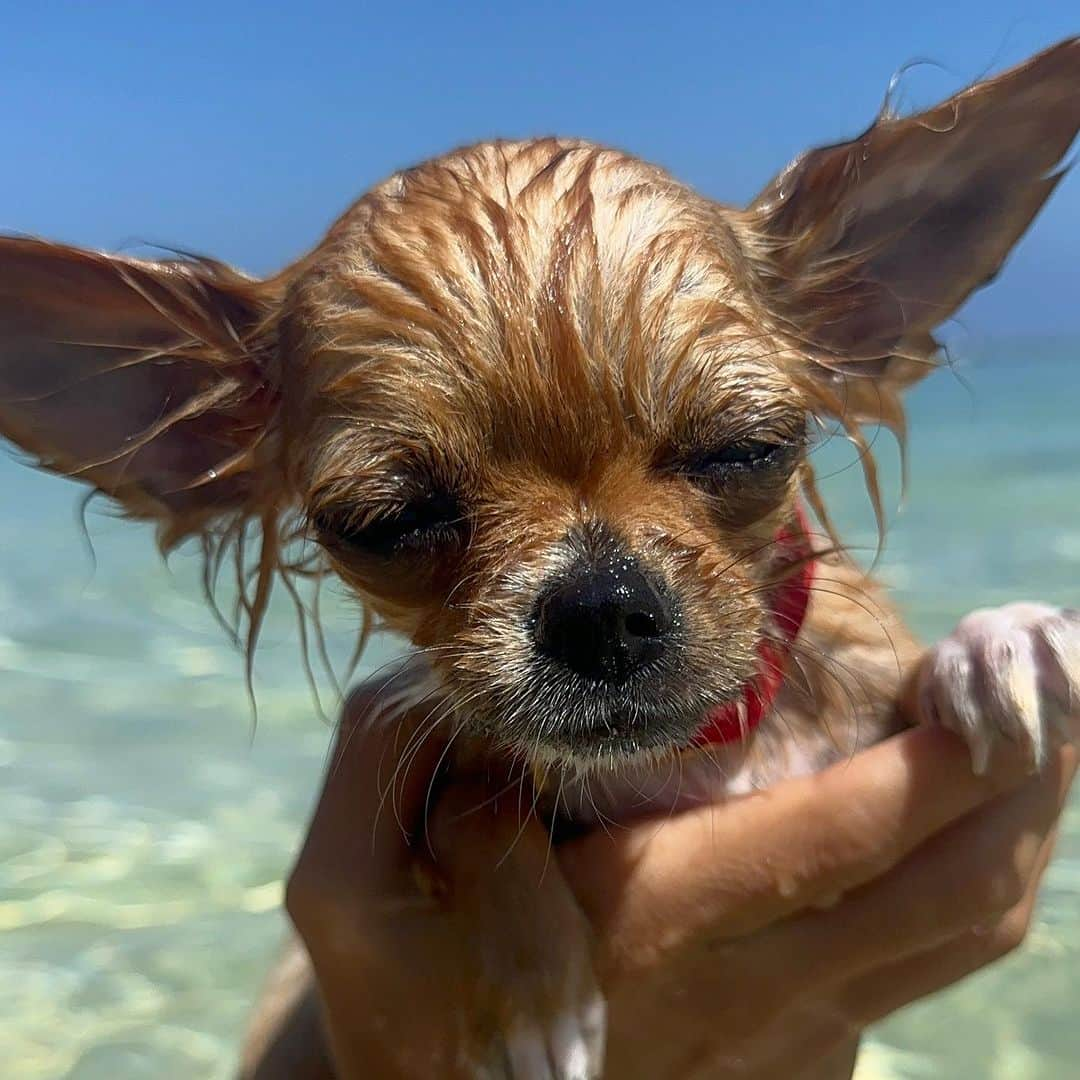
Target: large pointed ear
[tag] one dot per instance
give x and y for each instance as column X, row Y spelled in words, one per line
column 865, row 246
column 156, row 382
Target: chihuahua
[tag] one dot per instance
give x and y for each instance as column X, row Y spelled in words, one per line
column 548, row 413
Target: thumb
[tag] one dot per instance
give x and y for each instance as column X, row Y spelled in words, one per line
column 379, row 779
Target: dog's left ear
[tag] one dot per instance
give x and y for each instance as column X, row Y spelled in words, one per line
column 865, row 246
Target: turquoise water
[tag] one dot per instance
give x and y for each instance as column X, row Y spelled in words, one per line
column 145, row 828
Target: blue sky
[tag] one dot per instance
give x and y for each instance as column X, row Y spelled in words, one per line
column 241, row 130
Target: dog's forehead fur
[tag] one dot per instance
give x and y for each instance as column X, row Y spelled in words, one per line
column 547, row 294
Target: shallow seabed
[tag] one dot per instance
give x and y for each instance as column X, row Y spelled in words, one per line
column 145, row 827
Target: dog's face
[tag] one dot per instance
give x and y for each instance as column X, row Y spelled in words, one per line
column 543, row 407
column 545, row 429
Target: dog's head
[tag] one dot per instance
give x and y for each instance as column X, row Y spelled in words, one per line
column 543, row 407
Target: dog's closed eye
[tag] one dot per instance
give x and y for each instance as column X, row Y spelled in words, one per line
column 727, row 464
column 742, row 478
column 422, row 526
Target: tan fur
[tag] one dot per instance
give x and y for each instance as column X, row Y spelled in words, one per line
column 548, row 334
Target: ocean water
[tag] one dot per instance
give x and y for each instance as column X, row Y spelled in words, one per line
column 145, row 826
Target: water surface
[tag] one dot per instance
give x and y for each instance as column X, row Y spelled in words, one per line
column 145, row 828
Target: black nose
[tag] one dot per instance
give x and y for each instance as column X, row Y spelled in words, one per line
column 604, row 622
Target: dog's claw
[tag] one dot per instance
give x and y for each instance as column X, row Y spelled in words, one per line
column 1006, row 674
column 566, row 1046
column 578, row 1040
column 569, row 1048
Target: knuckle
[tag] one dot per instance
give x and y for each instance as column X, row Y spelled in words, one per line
column 1011, row 932
column 327, row 927
column 992, row 878
column 302, row 899
column 999, row 891
column 311, row 900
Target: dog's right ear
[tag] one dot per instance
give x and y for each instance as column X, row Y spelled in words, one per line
column 156, row 382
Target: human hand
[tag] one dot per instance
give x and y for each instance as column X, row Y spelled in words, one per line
column 442, row 942
column 753, row 939
column 757, row 939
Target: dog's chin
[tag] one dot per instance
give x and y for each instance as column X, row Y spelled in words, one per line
column 621, row 742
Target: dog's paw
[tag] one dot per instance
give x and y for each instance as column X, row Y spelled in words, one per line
column 1010, row 673
column 544, row 1032
column 532, row 1006
column 565, row 1045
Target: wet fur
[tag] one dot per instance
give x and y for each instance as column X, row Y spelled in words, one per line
column 550, row 329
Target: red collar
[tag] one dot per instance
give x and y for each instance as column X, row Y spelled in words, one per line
column 787, row 608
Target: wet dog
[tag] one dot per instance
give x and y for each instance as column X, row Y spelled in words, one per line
column 548, row 412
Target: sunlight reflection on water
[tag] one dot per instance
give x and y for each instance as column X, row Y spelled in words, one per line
column 145, row 829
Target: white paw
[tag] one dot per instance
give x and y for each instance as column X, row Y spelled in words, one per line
column 542, row 1014
column 567, row 1046
column 1009, row 673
